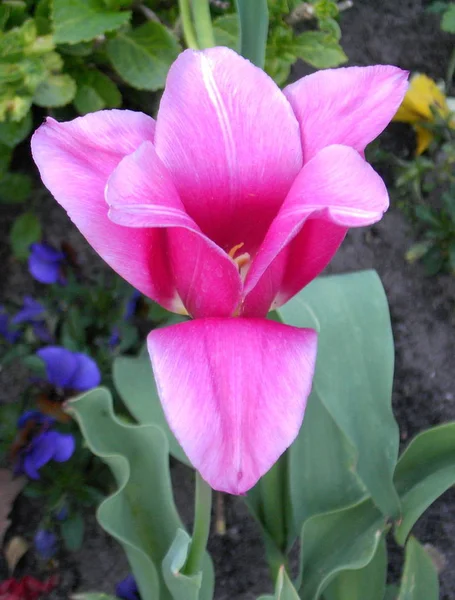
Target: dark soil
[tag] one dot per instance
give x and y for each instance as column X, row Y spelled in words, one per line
column 423, row 316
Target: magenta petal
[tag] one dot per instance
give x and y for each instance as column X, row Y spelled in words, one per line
column 234, row 392
column 337, row 189
column 75, row 160
column 231, row 143
column 141, row 193
column 349, row 106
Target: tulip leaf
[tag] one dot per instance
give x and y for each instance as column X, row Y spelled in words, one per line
column 182, row 587
column 254, row 24
column 391, row 592
column 83, row 20
column 284, row 589
column 93, row 596
column 142, row 57
column 141, row 514
column 134, row 381
column 362, row 584
column 426, row 469
column 420, row 579
column 338, row 541
column 355, row 347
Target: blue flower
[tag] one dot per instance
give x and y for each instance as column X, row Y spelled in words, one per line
column 62, row 513
column 69, row 370
column 45, row 543
column 10, row 334
column 40, row 444
column 32, row 313
column 131, row 305
column 127, row 589
column 45, row 263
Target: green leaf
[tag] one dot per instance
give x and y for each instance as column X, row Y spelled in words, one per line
column 72, row 531
column 338, row 541
column 284, row 589
column 319, row 49
column 182, row 587
column 15, row 188
column 141, row 514
column 420, row 580
column 448, row 19
column 254, row 24
column 391, row 592
column 95, row 92
column 452, row 256
column 134, row 381
column 355, row 346
column 12, row 133
column 83, row 20
column 56, row 90
column 26, row 230
column 226, row 30
column 142, row 57
column 362, row 584
column 93, row 596
column 426, row 469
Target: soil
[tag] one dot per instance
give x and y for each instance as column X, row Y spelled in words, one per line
column 423, row 317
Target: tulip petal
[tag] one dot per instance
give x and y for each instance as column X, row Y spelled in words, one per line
column 231, row 143
column 337, row 189
column 234, row 392
column 75, row 160
column 141, row 193
column 349, row 106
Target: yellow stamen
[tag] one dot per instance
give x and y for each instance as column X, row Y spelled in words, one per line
column 234, row 249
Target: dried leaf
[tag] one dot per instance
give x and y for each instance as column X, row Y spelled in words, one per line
column 9, row 489
column 14, row 551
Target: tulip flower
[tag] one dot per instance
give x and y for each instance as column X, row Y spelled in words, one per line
column 422, row 102
column 224, row 208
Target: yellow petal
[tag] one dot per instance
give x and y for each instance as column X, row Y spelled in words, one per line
column 424, row 139
column 423, row 93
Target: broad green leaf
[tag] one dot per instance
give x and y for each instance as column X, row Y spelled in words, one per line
column 420, row 579
column 6, row 154
column 254, row 24
column 426, row 469
column 355, row 346
column 448, row 19
column 56, row 90
column 12, row 133
column 143, row 56
column 362, row 584
column 227, row 31
column 83, row 20
column 182, row 587
column 141, row 514
column 391, row 592
column 335, row 542
column 26, row 230
column 95, row 91
column 72, row 530
column 319, row 49
column 15, row 188
column 134, row 381
column 284, row 589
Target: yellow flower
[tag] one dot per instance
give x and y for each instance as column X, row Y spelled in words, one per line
column 423, row 94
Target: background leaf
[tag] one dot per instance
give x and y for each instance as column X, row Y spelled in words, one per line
column 15, row 188
column 319, row 49
column 142, row 57
column 26, row 230
column 12, row 133
column 72, row 531
column 56, row 90
column 226, row 30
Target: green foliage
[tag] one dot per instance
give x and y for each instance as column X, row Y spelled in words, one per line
column 420, row 580
column 72, row 531
column 254, row 24
column 25, row 231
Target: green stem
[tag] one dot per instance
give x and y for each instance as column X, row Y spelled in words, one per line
column 201, row 528
column 273, row 486
column 450, row 71
column 187, row 25
column 203, row 23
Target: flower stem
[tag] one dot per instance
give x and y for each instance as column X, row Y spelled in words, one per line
column 449, row 72
column 203, row 23
column 201, row 528
column 188, row 29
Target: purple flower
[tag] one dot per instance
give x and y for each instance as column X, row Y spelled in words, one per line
column 127, row 589
column 62, row 513
column 10, row 334
column 45, row 543
column 32, row 313
column 45, row 263
column 69, row 370
column 41, row 444
column 131, row 305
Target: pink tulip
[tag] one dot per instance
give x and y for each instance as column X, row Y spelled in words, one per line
column 224, row 208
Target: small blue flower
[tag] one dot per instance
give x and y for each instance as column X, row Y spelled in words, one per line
column 7, row 332
column 42, row 444
column 45, row 263
column 30, row 311
column 127, row 589
column 69, row 370
column 131, row 305
column 62, row 513
column 45, row 543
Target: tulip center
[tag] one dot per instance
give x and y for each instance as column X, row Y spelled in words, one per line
column 242, row 261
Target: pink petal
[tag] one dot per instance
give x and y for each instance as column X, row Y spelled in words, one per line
column 337, row 189
column 234, row 392
column 140, row 193
column 75, row 160
column 231, row 142
column 349, row 106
